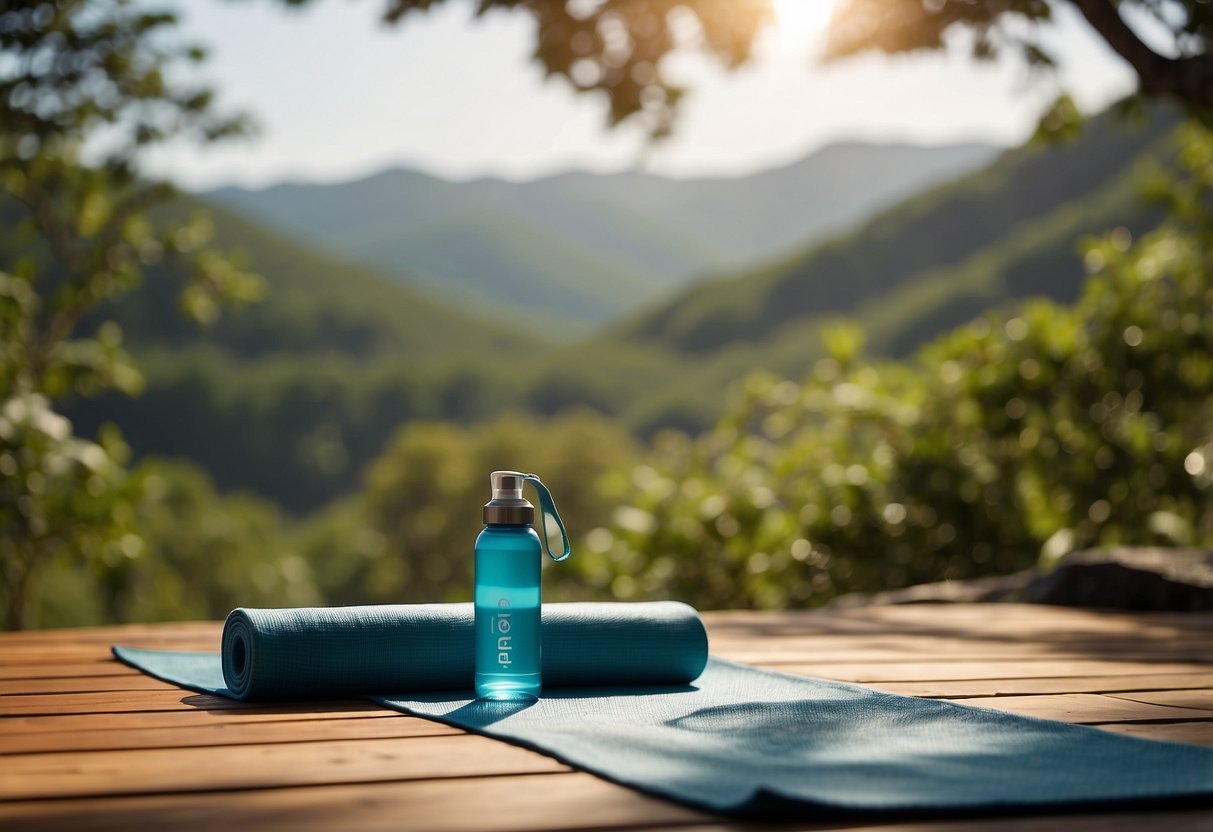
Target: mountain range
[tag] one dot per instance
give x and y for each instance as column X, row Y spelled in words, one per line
column 566, row 252
column 293, row 396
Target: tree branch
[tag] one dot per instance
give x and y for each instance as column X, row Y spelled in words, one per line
column 1187, row 80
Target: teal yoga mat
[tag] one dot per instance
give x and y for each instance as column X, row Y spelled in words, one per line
column 739, row 739
column 330, row 652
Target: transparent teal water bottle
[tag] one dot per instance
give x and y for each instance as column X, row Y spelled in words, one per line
column 509, row 560
column 508, row 563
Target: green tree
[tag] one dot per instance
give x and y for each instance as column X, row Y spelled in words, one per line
column 981, row 453
column 408, row 536
column 86, row 88
column 1179, row 68
column 1015, row 439
column 615, row 47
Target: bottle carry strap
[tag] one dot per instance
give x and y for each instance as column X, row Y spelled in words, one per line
column 547, row 508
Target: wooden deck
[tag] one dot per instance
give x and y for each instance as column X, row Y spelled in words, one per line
column 86, row 743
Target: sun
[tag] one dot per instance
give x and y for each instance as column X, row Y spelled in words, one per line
column 799, row 21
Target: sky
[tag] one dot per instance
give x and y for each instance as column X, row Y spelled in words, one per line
column 337, row 95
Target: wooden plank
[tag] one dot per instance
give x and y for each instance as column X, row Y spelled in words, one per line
column 170, row 699
column 24, row 655
column 955, row 617
column 1108, row 820
column 965, row 671
column 153, row 770
column 1064, row 684
column 508, row 804
column 987, row 623
column 1078, row 652
column 767, row 654
column 64, row 670
column 893, row 644
column 14, row 725
column 222, row 734
column 1198, row 699
column 134, row 680
column 759, row 654
column 1199, row 733
column 1084, row 708
column 573, row 801
column 108, row 634
column 912, row 619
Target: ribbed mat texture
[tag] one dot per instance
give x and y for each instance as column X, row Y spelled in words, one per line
column 734, row 739
column 749, row 741
column 328, row 652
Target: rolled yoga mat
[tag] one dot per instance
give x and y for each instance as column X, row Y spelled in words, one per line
column 317, row 653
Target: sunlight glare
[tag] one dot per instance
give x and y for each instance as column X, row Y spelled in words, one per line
column 797, row 22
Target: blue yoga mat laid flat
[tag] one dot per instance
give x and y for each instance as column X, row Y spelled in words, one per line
column 734, row 739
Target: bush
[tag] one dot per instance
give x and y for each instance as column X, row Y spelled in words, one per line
column 408, row 536
column 1020, row 436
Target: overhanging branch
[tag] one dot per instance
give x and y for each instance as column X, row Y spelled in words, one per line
column 1187, row 80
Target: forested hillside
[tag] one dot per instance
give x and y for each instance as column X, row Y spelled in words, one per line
column 292, row 397
column 1061, row 191
column 583, row 248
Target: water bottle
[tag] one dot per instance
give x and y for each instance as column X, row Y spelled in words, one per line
column 508, row 563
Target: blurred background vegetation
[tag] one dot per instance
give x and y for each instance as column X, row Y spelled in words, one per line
column 971, row 374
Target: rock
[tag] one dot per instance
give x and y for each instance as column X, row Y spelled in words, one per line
column 978, row 590
column 1125, row 578
column 1128, row 578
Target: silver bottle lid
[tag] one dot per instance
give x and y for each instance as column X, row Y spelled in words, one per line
column 507, row 485
column 508, row 507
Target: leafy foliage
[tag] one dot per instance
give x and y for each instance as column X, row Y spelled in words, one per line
column 1176, row 62
column 1016, row 437
column 617, row 47
column 83, row 77
column 61, row 499
column 1013, row 438
column 293, row 397
column 409, row 534
column 190, row 553
column 1026, row 433
column 941, row 229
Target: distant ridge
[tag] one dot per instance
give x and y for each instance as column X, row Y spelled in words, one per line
column 1007, row 232
column 758, row 215
column 589, row 247
column 292, row 397
column 936, row 230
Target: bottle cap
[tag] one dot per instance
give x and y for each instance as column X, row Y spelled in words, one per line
column 508, row 507
column 507, row 485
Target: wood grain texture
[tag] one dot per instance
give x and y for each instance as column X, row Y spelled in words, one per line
column 1061, row 684
column 87, row 743
column 222, row 734
column 152, row 770
column 81, row 684
column 1199, row 699
column 1199, row 733
column 122, row 720
column 1085, row 708
column 506, row 804
column 937, row 671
